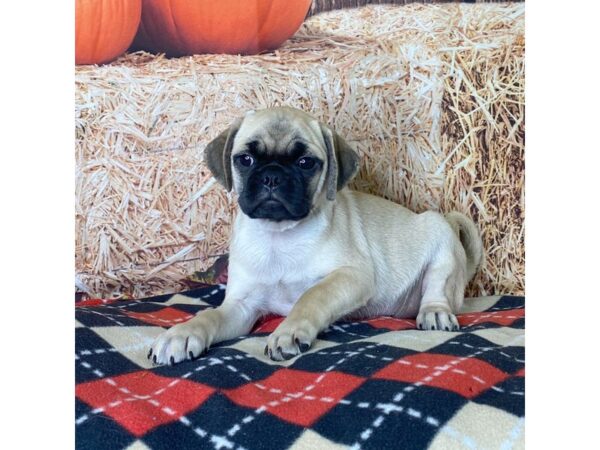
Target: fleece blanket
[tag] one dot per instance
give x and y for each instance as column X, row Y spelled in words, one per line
column 371, row 384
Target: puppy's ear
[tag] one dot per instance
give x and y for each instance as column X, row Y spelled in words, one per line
column 342, row 162
column 217, row 155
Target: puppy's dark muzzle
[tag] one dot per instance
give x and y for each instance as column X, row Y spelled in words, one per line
column 274, row 192
column 272, row 177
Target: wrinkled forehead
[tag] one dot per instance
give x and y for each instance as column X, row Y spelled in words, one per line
column 279, row 132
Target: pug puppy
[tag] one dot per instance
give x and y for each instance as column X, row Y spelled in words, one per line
column 306, row 247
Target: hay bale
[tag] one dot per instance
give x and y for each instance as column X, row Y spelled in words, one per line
column 430, row 95
column 483, row 128
column 319, row 6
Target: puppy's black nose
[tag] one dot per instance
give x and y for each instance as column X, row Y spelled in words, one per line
column 271, row 179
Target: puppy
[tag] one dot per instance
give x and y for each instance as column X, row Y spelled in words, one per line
column 306, row 247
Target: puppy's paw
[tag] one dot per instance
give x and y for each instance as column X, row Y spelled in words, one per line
column 290, row 339
column 429, row 319
column 178, row 343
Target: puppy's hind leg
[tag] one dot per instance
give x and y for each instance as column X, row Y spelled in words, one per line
column 442, row 294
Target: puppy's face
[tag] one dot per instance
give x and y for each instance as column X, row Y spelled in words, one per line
column 280, row 161
column 277, row 165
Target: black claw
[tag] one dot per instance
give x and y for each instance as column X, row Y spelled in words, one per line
column 271, row 354
column 191, row 355
column 266, row 350
column 172, row 361
column 433, row 327
column 280, row 351
column 187, row 339
column 287, row 355
column 149, row 353
column 447, row 328
column 154, row 359
column 303, row 346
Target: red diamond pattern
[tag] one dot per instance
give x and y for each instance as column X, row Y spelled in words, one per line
column 296, row 396
column 95, row 302
column 141, row 401
column 391, row 323
column 267, row 324
column 467, row 377
column 504, row 318
column 166, row 317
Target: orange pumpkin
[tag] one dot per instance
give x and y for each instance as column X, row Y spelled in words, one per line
column 185, row 27
column 104, row 29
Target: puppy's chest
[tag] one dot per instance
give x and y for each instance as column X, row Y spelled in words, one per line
column 276, row 288
column 278, row 274
column 273, row 260
column 279, row 298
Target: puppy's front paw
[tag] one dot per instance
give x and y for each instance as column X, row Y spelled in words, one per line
column 290, row 339
column 178, row 343
column 437, row 320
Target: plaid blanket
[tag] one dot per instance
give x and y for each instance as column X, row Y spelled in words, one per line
column 375, row 384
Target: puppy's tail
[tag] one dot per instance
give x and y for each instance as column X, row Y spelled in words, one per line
column 470, row 239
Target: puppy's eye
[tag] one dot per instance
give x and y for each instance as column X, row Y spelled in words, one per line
column 306, row 163
column 245, row 160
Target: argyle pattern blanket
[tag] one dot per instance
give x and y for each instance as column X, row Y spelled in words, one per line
column 370, row 384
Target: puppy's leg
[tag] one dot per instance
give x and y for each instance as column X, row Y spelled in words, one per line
column 443, row 289
column 188, row 340
column 337, row 295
